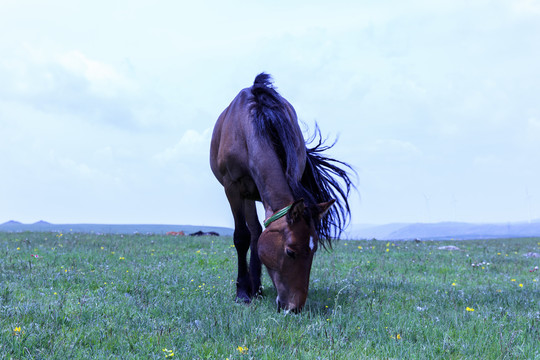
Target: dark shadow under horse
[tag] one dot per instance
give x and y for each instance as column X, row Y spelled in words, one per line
column 258, row 153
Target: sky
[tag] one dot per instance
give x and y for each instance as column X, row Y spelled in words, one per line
column 107, row 108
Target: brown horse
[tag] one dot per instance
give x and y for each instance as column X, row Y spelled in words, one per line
column 258, row 153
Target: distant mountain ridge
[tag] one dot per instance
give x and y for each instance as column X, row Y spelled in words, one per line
column 15, row 226
column 12, row 222
column 444, row 231
column 396, row 231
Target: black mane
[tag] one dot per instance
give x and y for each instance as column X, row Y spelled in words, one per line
column 319, row 181
column 271, row 123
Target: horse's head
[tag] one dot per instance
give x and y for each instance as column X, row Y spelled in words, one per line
column 286, row 247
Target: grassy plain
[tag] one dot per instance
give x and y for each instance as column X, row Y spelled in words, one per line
column 88, row 296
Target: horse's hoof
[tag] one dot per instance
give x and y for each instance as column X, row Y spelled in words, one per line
column 243, row 298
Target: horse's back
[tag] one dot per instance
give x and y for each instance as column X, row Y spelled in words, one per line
column 240, row 157
column 228, row 148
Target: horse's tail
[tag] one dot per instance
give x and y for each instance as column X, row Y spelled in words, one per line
column 325, row 179
column 271, row 122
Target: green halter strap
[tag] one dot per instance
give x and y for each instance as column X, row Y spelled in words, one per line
column 279, row 214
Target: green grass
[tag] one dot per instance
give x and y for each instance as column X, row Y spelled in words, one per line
column 130, row 297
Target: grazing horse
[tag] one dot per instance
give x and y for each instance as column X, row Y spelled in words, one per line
column 258, row 153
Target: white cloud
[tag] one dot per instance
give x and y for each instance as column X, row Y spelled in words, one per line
column 532, row 134
column 104, row 80
column 82, row 172
column 191, row 147
column 487, row 162
column 534, row 124
column 393, row 149
column 69, row 83
column 526, row 7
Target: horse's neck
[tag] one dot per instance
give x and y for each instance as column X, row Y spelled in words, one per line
column 275, row 198
column 273, row 188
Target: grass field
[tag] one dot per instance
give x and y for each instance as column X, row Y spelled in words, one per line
column 81, row 296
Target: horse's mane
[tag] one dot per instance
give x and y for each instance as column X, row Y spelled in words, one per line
column 318, row 183
column 271, row 123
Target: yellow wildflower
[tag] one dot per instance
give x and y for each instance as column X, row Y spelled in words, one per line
column 242, row 350
column 168, row 353
column 469, row 309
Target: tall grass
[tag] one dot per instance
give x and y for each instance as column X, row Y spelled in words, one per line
column 82, row 296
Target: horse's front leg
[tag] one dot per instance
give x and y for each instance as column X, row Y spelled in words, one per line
column 241, row 239
column 255, row 230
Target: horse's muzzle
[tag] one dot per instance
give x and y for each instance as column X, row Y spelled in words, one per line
column 288, row 308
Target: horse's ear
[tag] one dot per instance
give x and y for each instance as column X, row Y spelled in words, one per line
column 296, row 212
column 322, row 208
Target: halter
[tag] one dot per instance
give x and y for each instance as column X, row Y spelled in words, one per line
column 277, row 215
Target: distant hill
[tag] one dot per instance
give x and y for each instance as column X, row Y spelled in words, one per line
column 444, row 231
column 398, row 231
column 11, row 222
column 15, row 226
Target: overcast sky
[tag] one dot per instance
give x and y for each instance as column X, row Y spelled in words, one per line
column 107, row 107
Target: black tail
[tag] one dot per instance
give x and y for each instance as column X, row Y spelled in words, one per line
column 318, row 183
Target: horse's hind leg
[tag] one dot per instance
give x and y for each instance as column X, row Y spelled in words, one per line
column 254, row 263
column 241, row 242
